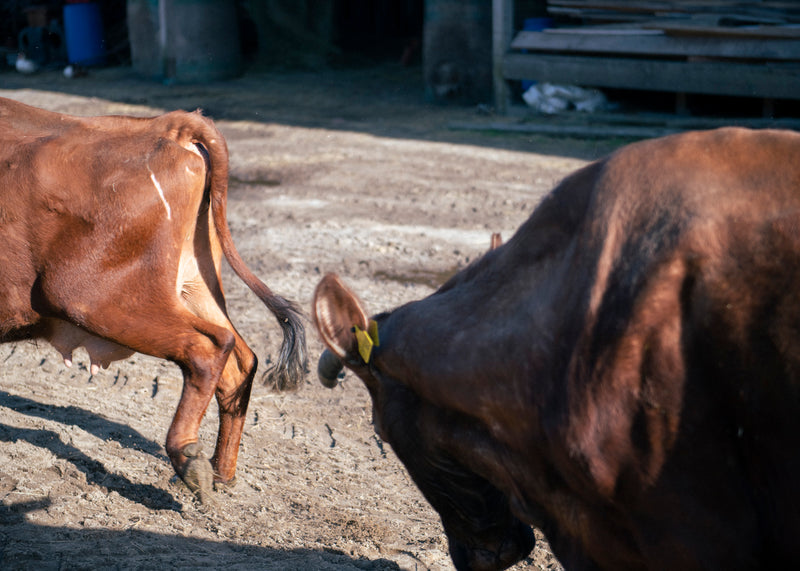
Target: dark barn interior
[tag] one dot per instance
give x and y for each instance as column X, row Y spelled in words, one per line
column 271, row 32
column 722, row 58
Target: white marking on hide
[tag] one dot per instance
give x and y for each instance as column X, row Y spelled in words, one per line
column 192, row 148
column 160, row 193
column 193, row 291
column 190, row 171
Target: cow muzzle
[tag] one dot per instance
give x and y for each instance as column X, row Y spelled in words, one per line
column 328, row 369
column 519, row 542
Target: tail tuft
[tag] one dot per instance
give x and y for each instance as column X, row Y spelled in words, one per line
column 292, row 366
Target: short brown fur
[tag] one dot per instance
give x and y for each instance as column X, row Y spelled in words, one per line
column 112, row 234
column 624, row 373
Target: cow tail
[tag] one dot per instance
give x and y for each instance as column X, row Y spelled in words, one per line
column 292, row 364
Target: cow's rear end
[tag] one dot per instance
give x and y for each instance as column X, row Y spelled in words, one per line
column 114, row 230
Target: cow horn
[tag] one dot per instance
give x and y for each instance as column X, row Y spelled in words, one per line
column 328, row 369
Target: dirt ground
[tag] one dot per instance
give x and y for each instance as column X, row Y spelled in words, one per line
column 343, row 170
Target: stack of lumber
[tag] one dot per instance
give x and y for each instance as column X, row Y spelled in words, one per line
column 714, row 47
column 753, row 12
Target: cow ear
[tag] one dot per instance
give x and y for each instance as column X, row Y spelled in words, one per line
column 337, row 315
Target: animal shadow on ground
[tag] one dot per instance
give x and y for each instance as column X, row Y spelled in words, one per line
column 27, row 546
column 95, row 472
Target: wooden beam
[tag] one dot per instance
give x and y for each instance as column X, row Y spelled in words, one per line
column 583, row 131
column 758, row 33
column 779, row 81
column 648, row 7
column 654, row 43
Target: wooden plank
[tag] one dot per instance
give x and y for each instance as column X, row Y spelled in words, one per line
column 674, row 5
column 607, row 30
column 574, row 123
column 608, row 41
column 592, row 9
column 781, row 81
column 583, row 131
column 599, row 16
column 738, row 32
column 648, row 7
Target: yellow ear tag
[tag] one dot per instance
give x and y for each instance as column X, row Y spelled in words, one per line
column 367, row 339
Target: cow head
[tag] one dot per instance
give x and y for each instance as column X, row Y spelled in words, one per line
column 446, row 454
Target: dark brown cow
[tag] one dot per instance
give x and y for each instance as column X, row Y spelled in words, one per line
column 624, row 373
column 111, row 234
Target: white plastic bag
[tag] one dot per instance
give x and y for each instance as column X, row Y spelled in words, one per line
column 549, row 98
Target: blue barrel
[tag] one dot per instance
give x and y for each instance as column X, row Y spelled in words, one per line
column 83, row 31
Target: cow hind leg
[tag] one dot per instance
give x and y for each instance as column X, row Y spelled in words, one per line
column 234, row 385
column 203, row 367
column 233, row 395
column 200, row 348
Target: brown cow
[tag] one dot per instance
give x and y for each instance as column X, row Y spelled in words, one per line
column 624, row 373
column 112, row 231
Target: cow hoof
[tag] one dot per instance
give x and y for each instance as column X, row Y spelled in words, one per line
column 225, row 486
column 197, row 473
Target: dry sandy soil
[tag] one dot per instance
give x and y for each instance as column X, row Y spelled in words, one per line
column 337, row 170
